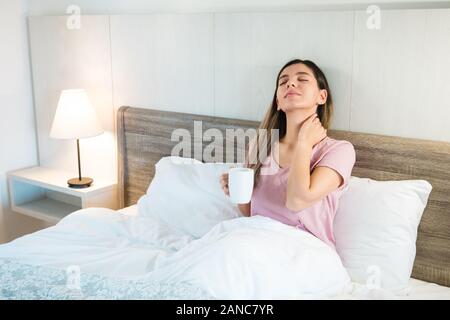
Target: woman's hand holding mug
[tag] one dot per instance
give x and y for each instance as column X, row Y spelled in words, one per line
column 224, row 183
column 238, row 184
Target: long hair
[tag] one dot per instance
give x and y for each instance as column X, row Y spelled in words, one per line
column 276, row 119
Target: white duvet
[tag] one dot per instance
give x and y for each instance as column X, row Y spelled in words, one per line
column 242, row 258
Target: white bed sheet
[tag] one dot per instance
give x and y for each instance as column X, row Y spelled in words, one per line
column 128, row 257
column 417, row 289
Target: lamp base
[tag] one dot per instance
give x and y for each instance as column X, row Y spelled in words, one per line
column 77, row 183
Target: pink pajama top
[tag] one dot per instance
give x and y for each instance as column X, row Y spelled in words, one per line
column 269, row 195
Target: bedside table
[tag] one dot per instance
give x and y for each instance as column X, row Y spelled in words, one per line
column 43, row 193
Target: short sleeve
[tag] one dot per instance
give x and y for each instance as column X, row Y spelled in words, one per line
column 341, row 157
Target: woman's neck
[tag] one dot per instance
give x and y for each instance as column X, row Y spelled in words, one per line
column 294, row 121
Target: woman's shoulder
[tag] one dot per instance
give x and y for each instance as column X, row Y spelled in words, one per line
column 329, row 142
column 331, row 145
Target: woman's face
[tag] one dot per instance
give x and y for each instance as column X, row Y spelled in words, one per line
column 297, row 88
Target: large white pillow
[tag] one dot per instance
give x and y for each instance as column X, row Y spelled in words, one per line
column 376, row 230
column 187, row 195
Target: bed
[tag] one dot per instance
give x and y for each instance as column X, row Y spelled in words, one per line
column 98, row 253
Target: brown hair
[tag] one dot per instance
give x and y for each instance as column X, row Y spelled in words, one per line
column 276, row 119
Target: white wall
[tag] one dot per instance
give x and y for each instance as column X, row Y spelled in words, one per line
column 17, row 125
column 167, row 63
column 401, row 75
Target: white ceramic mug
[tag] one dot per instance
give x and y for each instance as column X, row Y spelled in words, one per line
column 240, row 184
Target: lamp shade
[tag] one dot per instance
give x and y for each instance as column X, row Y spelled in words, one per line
column 75, row 118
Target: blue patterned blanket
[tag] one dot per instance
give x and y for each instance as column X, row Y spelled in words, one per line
column 20, row 281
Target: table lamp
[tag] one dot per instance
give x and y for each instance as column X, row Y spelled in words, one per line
column 75, row 118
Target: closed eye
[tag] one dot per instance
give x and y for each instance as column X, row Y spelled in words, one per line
column 284, row 82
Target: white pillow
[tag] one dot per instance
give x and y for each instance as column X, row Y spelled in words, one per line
column 376, row 230
column 186, row 194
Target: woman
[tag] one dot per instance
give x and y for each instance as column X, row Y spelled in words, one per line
column 313, row 169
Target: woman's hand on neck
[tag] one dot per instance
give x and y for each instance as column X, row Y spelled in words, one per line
column 294, row 121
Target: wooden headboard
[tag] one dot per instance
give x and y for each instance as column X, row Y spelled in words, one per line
column 144, row 136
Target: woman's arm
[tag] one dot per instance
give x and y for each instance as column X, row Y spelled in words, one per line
column 303, row 188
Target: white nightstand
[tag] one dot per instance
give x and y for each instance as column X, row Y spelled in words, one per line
column 43, row 193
